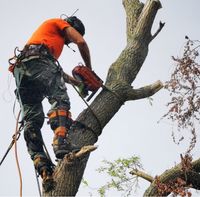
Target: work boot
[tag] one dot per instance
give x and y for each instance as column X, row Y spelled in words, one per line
column 62, row 146
column 45, row 169
column 48, row 183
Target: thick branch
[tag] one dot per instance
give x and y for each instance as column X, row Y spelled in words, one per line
column 174, row 173
column 144, row 92
column 133, row 10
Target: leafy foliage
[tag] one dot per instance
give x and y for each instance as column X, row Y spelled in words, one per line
column 119, row 172
column 84, row 182
column 184, row 107
column 177, row 187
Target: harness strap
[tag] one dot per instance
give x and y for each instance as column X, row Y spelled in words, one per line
column 60, row 131
column 29, row 52
column 59, row 112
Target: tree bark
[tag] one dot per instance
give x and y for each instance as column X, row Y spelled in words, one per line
column 69, row 171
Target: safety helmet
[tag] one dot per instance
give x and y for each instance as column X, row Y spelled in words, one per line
column 76, row 24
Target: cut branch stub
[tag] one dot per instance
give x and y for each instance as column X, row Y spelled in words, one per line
column 69, row 171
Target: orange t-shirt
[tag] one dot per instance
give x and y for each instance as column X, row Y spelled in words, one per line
column 50, row 33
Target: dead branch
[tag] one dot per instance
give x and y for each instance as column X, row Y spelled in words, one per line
column 143, row 175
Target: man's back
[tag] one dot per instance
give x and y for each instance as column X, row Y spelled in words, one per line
column 50, row 33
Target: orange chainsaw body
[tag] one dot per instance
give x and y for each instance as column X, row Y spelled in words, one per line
column 88, row 77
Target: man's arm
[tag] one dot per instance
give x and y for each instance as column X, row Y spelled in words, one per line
column 71, row 35
column 68, row 79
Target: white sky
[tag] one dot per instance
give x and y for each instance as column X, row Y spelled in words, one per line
column 134, row 129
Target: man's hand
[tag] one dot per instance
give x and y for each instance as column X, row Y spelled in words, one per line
column 81, row 86
column 68, row 79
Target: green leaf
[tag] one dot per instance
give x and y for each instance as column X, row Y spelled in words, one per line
column 85, row 183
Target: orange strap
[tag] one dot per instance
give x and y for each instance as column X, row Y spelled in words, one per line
column 60, row 131
column 59, row 112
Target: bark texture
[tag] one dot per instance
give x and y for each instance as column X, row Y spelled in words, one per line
column 68, row 173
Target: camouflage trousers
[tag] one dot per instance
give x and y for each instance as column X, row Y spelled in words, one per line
column 37, row 79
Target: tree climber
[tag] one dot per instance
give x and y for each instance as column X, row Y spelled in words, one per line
column 38, row 75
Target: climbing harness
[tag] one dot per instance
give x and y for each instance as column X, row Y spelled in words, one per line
column 29, row 52
column 14, row 60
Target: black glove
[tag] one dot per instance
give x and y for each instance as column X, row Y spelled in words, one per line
column 82, row 90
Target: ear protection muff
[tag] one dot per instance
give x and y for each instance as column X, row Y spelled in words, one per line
column 76, row 24
column 71, row 20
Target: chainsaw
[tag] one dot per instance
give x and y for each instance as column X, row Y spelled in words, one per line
column 91, row 81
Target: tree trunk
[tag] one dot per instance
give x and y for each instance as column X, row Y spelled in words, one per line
column 68, row 173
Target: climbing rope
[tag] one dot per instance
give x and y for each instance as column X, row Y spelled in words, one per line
column 97, row 119
column 37, row 180
column 17, row 131
column 15, row 138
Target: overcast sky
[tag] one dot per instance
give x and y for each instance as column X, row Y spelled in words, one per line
column 134, row 129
